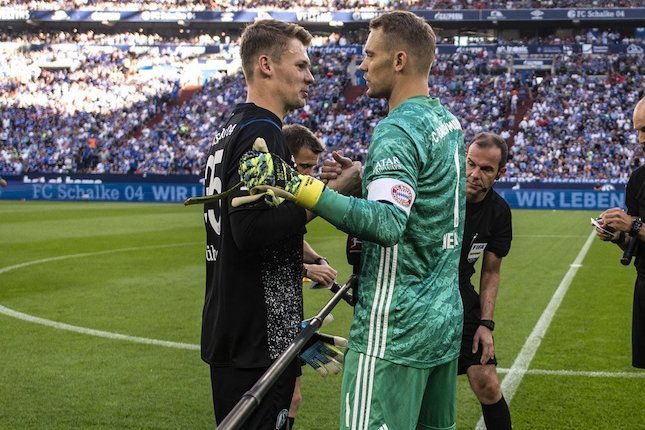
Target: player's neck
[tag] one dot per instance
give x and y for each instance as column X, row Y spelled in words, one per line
column 264, row 100
column 410, row 87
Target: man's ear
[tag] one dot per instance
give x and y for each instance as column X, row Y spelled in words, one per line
column 265, row 65
column 400, row 60
column 500, row 173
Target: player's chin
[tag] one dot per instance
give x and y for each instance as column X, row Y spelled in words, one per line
column 374, row 93
column 296, row 104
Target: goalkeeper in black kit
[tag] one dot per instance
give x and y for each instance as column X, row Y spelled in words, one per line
column 253, row 301
column 487, row 232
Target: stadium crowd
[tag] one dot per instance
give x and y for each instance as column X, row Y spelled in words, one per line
column 98, row 111
column 234, row 5
column 579, row 127
column 602, row 36
column 63, row 111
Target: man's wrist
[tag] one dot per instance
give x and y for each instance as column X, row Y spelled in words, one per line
column 636, row 227
column 320, row 259
column 309, row 191
column 489, row 324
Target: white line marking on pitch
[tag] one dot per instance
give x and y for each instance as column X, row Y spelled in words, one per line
column 92, row 332
column 585, row 373
column 521, row 365
column 83, row 330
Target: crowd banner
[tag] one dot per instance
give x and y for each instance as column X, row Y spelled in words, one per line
column 177, row 188
column 570, row 15
column 102, row 188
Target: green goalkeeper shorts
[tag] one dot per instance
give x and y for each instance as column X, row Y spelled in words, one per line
column 380, row 395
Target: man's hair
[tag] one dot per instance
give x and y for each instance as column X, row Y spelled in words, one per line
column 488, row 140
column 411, row 31
column 296, row 137
column 268, row 37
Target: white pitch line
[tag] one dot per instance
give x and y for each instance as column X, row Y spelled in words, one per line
column 584, row 373
column 83, row 330
column 92, row 332
column 521, row 365
column 88, row 254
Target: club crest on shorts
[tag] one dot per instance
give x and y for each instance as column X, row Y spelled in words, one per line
column 402, row 194
column 281, row 419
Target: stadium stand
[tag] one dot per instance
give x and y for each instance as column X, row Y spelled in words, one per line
column 200, row 5
column 122, row 100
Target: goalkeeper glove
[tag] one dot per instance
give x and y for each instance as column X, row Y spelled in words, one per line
column 321, row 353
column 263, row 172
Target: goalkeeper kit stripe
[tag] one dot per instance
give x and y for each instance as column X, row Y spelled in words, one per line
column 255, row 121
column 379, row 317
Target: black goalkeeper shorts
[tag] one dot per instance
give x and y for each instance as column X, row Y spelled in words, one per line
column 229, row 385
column 472, row 315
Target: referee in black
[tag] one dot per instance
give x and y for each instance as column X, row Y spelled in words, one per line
column 487, row 232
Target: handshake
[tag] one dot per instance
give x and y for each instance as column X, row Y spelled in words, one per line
column 268, row 176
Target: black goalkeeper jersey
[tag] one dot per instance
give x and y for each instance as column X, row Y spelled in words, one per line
column 487, row 228
column 253, row 302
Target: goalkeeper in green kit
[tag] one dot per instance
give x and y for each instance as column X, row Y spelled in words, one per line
column 400, row 369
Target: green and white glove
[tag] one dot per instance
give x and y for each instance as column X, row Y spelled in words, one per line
column 263, row 172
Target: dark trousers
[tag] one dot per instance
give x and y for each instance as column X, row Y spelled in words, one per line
column 229, row 385
column 638, row 323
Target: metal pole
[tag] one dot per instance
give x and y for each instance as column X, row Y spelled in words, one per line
column 252, row 398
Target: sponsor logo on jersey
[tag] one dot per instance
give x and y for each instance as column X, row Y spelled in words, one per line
column 475, row 251
column 392, row 163
column 402, row 194
column 444, row 129
column 224, row 132
column 211, row 253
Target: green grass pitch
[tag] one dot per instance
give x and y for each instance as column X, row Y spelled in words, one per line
column 137, row 270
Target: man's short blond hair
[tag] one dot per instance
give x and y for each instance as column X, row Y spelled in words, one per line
column 409, row 32
column 269, row 37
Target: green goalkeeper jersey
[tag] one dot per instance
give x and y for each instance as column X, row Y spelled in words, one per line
column 409, row 309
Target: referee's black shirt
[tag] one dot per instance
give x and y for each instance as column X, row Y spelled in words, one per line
column 488, row 228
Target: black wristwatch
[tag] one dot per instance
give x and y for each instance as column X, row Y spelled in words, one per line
column 636, row 227
column 319, row 259
column 489, row 324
